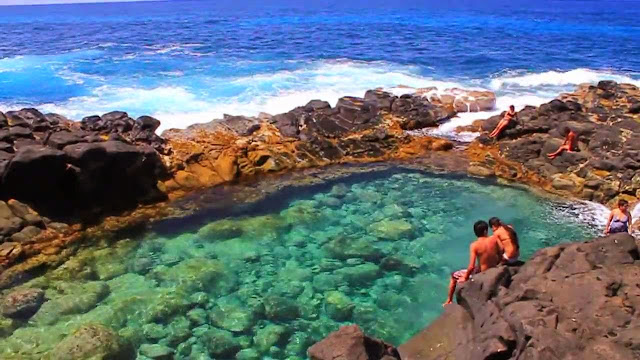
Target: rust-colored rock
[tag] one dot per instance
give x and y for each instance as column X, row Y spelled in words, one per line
column 350, row 343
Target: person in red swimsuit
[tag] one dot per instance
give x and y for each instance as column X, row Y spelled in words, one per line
column 567, row 145
column 510, row 115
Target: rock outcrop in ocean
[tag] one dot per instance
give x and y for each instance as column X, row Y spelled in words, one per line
column 604, row 166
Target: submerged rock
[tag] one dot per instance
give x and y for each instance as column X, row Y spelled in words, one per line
column 391, row 229
column 232, row 316
column 268, row 336
column 221, row 343
column 360, row 275
column 338, row 306
column 22, row 304
column 157, row 351
column 92, row 342
column 279, row 308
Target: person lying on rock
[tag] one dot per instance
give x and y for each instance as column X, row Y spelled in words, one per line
column 508, row 116
column 567, row 145
column 619, row 219
column 509, row 240
column 486, row 250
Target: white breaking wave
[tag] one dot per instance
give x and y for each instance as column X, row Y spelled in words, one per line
column 526, row 89
column 559, row 78
column 192, row 101
column 180, row 100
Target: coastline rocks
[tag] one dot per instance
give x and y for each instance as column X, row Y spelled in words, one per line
column 539, row 311
column 605, row 157
column 22, row 304
column 86, row 169
column 350, row 343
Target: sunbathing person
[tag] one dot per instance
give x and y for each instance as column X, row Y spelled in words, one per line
column 508, row 239
column 486, row 250
column 567, row 145
column 510, row 115
column 619, row 219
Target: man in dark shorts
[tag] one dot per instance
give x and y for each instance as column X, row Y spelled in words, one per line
column 486, row 250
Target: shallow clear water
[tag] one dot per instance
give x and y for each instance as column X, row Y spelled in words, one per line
column 375, row 251
column 190, row 61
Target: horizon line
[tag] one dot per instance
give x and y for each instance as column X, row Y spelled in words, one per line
column 70, row 2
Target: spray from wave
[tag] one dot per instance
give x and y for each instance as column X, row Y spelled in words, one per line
column 180, row 99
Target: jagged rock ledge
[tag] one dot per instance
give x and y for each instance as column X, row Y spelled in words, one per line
column 571, row 302
column 75, row 181
column 604, row 166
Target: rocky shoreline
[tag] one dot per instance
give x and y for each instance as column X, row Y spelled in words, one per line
column 111, row 172
column 604, row 167
column 65, row 183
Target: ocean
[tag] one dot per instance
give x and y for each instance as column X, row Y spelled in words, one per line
column 193, row 61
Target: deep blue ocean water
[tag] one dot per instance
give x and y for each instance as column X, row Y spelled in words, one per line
column 191, row 61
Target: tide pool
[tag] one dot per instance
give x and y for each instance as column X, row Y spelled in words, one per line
column 374, row 250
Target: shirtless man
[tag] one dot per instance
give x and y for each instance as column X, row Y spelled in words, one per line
column 510, row 115
column 567, row 145
column 508, row 239
column 486, row 250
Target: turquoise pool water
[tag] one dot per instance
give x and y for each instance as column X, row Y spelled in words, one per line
column 375, row 251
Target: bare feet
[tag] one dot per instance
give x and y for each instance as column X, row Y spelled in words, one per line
column 446, row 303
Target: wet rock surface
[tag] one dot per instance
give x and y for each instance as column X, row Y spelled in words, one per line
column 112, row 163
column 65, row 169
column 605, row 159
column 22, row 304
column 573, row 301
column 350, row 343
column 92, row 342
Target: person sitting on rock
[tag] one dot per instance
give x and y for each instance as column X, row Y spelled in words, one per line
column 567, row 145
column 486, row 250
column 509, row 240
column 510, row 115
column 620, row 219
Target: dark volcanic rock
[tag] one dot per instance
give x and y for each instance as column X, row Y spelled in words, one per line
column 418, row 112
column 608, row 144
column 350, row 343
column 539, row 310
column 22, row 304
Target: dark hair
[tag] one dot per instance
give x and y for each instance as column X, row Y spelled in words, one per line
column 494, row 221
column 511, row 107
column 481, row 228
column 566, row 130
column 622, row 202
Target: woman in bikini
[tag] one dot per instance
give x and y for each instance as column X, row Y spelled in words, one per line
column 510, row 115
column 567, row 145
column 508, row 239
column 619, row 219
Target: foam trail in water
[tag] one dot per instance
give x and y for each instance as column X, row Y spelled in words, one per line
column 187, row 100
column 559, row 78
column 522, row 90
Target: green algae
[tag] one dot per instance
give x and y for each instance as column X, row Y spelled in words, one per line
column 375, row 252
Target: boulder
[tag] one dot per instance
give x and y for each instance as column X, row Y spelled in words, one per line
column 539, row 310
column 92, row 342
column 22, row 304
column 221, row 343
column 157, row 351
column 350, row 343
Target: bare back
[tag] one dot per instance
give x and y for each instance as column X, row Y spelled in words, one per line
column 487, row 252
column 510, row 245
